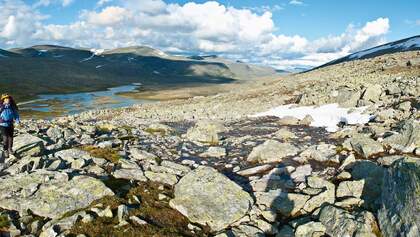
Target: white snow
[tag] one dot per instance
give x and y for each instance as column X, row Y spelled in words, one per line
column 414, row 42
column 43, row 50
column 99, row 66
column 156, row 72
column 327, row 116
column 161, row 53
column 89, row 58
column 97, row 51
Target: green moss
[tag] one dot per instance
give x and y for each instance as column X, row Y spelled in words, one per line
column 162, row 220
column 108, row 154
column 4, row 222
column 161, row 132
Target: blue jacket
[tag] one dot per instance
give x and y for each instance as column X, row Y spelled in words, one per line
column 8, row 115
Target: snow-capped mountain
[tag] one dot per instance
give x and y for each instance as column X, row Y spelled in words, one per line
column 408, row 44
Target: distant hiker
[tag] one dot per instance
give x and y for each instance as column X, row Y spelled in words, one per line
column 8, row 116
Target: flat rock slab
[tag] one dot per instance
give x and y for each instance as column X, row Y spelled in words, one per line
column 28, row 145
column 207, row 197
column 48, row 193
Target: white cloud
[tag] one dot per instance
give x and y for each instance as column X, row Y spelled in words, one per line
column 45, row 3
column 296, row 2
column 211, row 28
column 103, row 2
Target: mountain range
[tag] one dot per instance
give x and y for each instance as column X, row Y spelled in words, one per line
column 42, row 69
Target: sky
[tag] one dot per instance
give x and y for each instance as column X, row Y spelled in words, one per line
column 284, row 34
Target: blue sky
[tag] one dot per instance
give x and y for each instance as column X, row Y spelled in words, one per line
column 282, row 33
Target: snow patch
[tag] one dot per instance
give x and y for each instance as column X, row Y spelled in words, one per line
column 97, row 51
column 89, row 58
column 414, row 42
column 328, row 116
column 99, row 66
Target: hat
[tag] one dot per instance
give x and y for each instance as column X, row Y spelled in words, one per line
column 4, row 96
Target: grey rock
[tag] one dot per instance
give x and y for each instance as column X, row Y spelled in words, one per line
column 48, row 193
column 255, row 170
column 205, row 132
column 217, row 152
column 312, row 229
column 339, row 222
column 365, row 146
column 399, row 211
column 286, row 204
column 327, row 196
column 372, row 93
column 207, row 197
column 272, row 151
column 301, row 172
column 28, row 145
column 130, row 174
column 350, row 188
column 372, row 174
column 321, row 153
column 408, row 137
column 165, row 178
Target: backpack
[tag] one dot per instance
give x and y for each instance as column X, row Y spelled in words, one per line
column 8, row 116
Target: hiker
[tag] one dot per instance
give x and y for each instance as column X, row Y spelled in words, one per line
column 8, row 116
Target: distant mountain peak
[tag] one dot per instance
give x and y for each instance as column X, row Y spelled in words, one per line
column 407, row 44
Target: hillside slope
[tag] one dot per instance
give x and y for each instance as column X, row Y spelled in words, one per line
column 408, row 44
column 41, row 69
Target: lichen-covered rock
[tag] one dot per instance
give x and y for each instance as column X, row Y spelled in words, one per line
column 325, row 197
column 286, row 204
column 365, row 146
column 408, row 137
column 28, row 145
column 272, row 151
column 206, row 132
column 399, row 214
column 339, row 222
column 351, row 188
column 312, row 229
column 372, row 174
column 207, row 197
column 49, row 194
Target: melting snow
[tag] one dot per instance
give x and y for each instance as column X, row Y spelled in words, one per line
column 327, row 116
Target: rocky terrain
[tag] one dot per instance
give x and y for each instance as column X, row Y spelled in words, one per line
column 205, row 167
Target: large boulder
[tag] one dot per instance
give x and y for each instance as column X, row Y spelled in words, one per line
column 272, row 151
column 205, row 132
column 339, row 222
column 286, row 204
column 372, row 175
column 207, row 197
column 408, row 137
column 49, row 194
column 372, row 93
column 365, row 146
column 399, row 214
column 28, row 145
